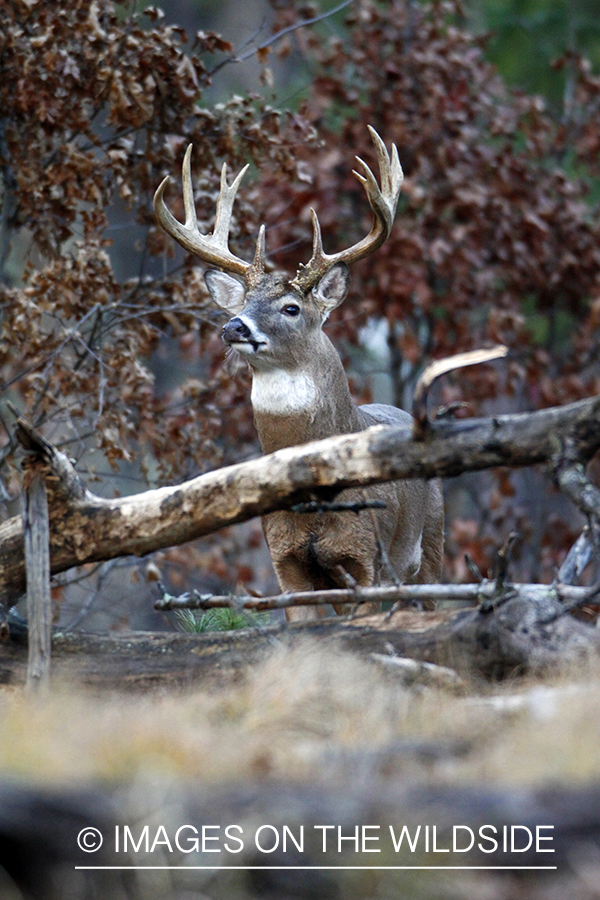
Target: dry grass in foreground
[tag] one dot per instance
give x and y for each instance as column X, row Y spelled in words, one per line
column 310, row 713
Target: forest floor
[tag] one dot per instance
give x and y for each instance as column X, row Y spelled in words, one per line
column 302, row 735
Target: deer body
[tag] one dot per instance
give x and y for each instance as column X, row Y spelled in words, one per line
column 300, row 393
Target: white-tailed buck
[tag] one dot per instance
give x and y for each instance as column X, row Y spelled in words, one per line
column 300, row 393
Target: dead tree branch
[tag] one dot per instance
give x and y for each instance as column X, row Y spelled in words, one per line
column 577, row 558
column 588, row 595
column 571, row 478
column 440, row 367
column 86, row 528
column 482, row 594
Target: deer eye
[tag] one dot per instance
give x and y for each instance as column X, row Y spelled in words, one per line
column 292, row 309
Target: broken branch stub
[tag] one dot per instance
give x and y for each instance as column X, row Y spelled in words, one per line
column 37, row 563
column 440, row 367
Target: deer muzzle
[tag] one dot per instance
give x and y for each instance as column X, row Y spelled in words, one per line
column 238, row 335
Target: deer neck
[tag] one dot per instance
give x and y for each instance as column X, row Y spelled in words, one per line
column 307, row 403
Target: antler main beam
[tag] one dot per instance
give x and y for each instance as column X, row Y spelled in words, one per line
column 382, row 200
column 214, row 248
column 211, row 248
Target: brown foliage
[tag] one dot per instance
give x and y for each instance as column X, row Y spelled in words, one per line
column 496, row 240
column 107, row 337
column 96, row 109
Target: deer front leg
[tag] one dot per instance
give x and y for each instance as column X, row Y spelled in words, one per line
column 293, row 578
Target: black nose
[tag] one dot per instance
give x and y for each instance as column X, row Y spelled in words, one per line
column 235, row 330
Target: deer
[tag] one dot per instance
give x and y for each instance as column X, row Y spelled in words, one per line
column 300, row 393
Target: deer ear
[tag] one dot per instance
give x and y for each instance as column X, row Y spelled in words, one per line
column 332, row 288
column 227, row 292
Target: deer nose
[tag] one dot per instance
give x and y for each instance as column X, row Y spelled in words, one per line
column 235, row 330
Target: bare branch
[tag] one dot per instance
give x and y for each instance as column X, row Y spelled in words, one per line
column 276, row 37
column 576, row 559
column 63, row 476
column 476, row 594
column 573, row 482
column 585, row 595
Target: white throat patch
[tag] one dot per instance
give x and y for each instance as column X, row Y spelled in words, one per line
column 279, row 392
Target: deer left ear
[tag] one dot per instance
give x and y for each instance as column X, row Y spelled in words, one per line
column 332, row 288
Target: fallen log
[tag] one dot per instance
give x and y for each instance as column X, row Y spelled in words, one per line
column 519, row 633
column 516, row 633
column 86, row 528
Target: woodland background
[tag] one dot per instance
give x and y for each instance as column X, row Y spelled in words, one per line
column 109, row 344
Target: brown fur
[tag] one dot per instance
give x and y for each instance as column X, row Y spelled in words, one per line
column 306, row 549
column 402, row 542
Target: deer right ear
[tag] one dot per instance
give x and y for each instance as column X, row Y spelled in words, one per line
column 332, row 288
column 227, row 292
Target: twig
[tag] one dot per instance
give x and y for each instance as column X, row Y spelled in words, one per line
column 274, row 38
column 503, row 590
column 104, row 569
column 47, row 360
column 473, row 568
column 503, row 560
column 385, row 559
column 340, row 574
column 586, row 595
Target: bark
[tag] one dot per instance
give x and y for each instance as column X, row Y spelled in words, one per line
column 37, row 562
column 85, row 528
column 577, row 558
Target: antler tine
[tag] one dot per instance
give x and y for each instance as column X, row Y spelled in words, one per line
column 318, row 254
column 211, row 248
column 258, row 265
column 191, row 220
column 382, row 200
column 225, row 206
column 391, row 170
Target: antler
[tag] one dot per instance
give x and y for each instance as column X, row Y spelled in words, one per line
column 212, row 248
column 383, row 202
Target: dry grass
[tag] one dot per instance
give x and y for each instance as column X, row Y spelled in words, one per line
column 295, row 717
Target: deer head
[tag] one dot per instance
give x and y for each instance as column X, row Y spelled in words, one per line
column 290, row 310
